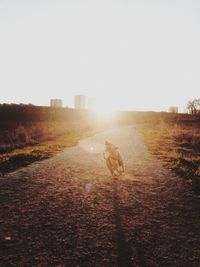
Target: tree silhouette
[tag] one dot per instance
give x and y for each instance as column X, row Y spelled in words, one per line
column 193, row 106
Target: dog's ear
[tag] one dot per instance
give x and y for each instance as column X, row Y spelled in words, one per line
column 107, row 143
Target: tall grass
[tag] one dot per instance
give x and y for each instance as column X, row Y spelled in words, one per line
column 177, row 145
column 28, row 133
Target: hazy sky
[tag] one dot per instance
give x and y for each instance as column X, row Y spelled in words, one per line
column 139, row 55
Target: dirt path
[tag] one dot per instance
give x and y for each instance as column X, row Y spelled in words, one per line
column 67, row 211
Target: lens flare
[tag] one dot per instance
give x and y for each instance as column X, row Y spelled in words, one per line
column 91, row 147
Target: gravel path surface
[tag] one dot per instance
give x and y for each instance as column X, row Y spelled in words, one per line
column 68, row 211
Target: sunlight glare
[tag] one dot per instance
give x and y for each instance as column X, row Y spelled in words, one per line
column 104, row 112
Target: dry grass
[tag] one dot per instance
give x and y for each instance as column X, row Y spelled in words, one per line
column 24, row 156
column 34, row 133
column 177, row 146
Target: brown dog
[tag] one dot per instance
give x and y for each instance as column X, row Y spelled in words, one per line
column 113, row 159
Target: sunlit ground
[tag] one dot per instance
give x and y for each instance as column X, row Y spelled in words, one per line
column 91, row 147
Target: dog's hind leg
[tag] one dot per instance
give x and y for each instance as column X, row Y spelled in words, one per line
column 109, row 166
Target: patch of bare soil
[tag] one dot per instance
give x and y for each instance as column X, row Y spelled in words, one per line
column 68, row 211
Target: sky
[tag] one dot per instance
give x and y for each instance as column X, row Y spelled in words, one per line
column 128, row 55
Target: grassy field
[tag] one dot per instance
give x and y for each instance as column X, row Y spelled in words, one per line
column 176, row 142
column 30, row 133
column 69, row 212
column 20, row 157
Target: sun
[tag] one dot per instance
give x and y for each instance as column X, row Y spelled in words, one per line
column 105, row 112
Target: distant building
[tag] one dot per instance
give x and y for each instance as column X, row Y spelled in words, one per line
column 56, row 103
column 173, row 109
column 80, row 102
column 91, row 103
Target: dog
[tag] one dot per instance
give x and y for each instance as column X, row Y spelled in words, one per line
column 113, row 159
